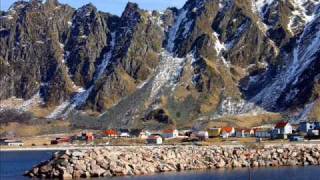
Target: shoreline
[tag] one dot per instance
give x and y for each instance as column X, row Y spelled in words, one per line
column 64, row 148
column 145, row 160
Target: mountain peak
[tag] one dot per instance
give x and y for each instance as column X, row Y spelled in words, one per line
column 130, row 9
column 52, row 2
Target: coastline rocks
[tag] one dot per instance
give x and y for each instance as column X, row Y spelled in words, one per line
column 140, row 160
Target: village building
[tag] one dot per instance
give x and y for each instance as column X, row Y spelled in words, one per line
column 88, row 136
column 282, row 130
column 154, row 140
column 124, row 134
column 85, row 136
column 311, row 128
column 214, row 132
column 314, row 132
column 227, row 132
column 144, row 134
column 262, row 132
column 170, row 133
column 111, row 133
column 11, row 142
column 244, row 132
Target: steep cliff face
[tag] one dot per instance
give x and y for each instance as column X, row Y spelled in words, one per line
column 208, row 60
column 31, row 56
column 295, row 84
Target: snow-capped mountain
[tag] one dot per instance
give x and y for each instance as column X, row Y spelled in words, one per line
column 208, row 60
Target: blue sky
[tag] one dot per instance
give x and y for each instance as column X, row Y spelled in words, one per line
column 112, row 6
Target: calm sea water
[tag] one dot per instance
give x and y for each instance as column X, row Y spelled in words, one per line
column 14, row 164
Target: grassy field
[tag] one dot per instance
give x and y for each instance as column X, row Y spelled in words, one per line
column 245, row 121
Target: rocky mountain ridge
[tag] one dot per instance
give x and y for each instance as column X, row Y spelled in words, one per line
column 209, row 60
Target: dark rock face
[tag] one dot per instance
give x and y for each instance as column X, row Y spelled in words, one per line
column 90, row 33
column 173, row 67
column 30, row 53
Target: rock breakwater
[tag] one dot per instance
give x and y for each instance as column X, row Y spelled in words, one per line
column 130, row 161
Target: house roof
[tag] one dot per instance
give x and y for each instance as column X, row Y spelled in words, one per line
column 227, row 129
column 154, row 137
column 110, row 132
column 168, row 131
column 281, row 124
column 214, row 128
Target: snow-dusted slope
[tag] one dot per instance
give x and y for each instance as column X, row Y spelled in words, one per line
column 305, row 52
column 168, row 73
column 303, row 13
column 171, row 67
column 197, row 61
column 81, row 97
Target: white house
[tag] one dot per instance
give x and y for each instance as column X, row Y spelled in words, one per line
column 8, row 142
column 169, row 133
column 308, row 127
column 282, row 130
column 124, row 134
column 154, row 140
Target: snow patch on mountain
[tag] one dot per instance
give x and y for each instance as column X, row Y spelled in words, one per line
column 304, row 115
column 8, row 17
column 218, row 45
column 58, row 110
column 299, row 13
column 231, row 106
column 261, row 6
column 175, row 28
column 231, row 43
column 21, row 104
column 106, row 58
column 168, row 72
column 224, row 3
column 69, row 24
column 81, row 97
column 156, row 19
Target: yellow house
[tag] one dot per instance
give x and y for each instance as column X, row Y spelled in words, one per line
column 214, row 132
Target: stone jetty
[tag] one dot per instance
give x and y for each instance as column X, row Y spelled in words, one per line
column 141, row 160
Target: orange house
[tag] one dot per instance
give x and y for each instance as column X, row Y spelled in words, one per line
column 111, row 133
column 227, row 132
